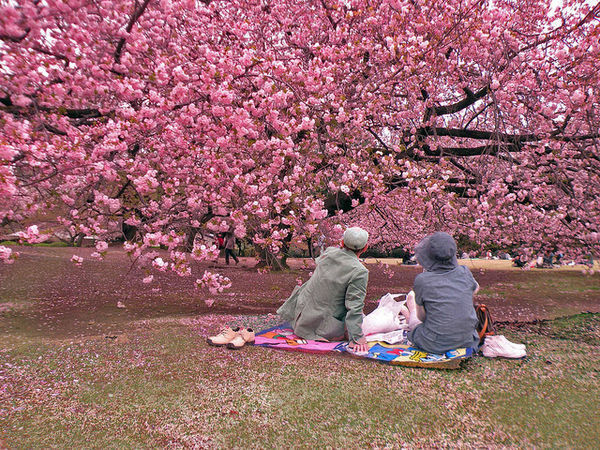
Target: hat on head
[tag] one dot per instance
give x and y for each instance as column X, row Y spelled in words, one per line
column 437, row 252
column 355, row 238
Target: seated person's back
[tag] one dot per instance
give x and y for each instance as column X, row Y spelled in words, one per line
column 445, row 292
column 330, row 304
column 338, row 283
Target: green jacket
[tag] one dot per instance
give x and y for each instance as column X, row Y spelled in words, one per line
column 332, row 298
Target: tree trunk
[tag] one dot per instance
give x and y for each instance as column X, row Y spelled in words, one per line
column 267, row 259
column 128, row 231
column 78, row 240
column 190, row 238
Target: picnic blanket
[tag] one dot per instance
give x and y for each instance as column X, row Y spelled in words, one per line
column 403, row 354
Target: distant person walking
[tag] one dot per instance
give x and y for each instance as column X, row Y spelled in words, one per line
column 229, row 246
column 221, row 241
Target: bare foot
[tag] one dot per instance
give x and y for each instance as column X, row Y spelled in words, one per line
column 411, row 304
column 405, row 312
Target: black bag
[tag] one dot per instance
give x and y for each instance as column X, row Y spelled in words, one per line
column 485, row 325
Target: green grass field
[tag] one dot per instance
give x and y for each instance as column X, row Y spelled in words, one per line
column 161, row 385
column 153, row 382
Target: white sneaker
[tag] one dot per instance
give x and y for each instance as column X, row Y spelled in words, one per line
column 503, row 339
column 495, row 347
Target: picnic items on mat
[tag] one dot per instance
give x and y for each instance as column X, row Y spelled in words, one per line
column 493, row 345
column 385, row 331
column 391, row 337
column 404, row 354
column 386, row 317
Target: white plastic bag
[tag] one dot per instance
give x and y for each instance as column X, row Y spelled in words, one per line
column 393, row 337
column 388, row 301
column 385, row 317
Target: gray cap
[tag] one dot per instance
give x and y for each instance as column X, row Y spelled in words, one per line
column 355, row 238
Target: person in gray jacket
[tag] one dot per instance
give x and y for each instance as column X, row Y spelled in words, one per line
column 441, row 315
column 329, row 306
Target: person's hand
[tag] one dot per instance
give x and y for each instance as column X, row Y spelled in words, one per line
column 360, row 346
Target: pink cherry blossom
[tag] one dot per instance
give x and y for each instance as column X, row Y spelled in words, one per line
column 169, row 121
column 215, row 283
column 78, row 260
column 148, row 279
column 7, row 255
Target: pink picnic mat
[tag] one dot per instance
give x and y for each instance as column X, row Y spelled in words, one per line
column 282, row 337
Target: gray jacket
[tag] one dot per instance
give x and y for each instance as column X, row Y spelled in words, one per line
column 445, row 290
column 331, row 301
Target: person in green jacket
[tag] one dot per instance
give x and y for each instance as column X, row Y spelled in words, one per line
column 329, row 306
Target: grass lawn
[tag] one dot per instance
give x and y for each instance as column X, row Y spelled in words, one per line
column 160, row 385
column 151, row 381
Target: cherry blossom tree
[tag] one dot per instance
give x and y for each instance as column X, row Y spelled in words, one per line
column 276, row 119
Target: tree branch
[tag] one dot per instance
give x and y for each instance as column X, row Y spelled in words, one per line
column 37, row 48
column 6, row 37
column 471, row 151
column 72, row 113
column 478, row 134
column 134, row 17
column 54, row 130
column 470, row 99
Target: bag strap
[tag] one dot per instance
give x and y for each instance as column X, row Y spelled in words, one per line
column 485, row 327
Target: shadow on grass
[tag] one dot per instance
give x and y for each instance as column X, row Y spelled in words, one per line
column 584, row 327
